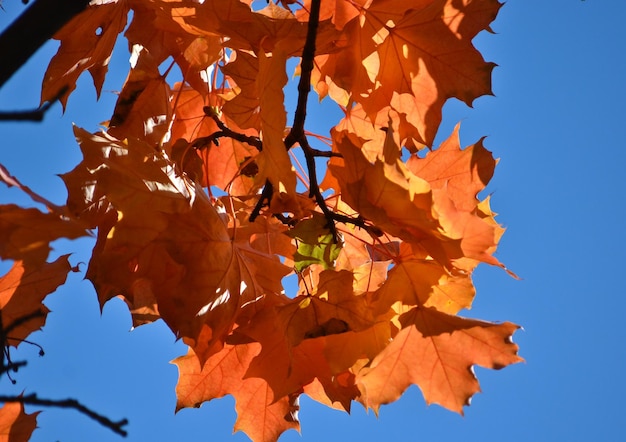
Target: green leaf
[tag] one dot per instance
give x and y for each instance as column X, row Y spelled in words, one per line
column 315, row 243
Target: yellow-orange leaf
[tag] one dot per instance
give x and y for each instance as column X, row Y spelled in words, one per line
column 463, row 173
column 340, row 11
column 274, row 162
column 410, row 56
column 154, row 28
column 243, row 108
column 333, row 309
column 394, row 199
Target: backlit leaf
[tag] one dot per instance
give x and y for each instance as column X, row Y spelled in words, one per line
column 22, row 291
column 436, row 352
column 15, row 424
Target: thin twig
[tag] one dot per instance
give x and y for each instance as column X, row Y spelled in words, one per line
column 324, row 153
column 264, row 200
column 22, row 320
column 11, row 366
column 32, row 399
column 225, row 131
column 32, row 115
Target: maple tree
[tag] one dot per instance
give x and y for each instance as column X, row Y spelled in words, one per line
column 201, row 206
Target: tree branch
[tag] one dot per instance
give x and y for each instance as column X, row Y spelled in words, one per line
column 32, row 115
column 225, row 131
column 264, row 200
column 306, row 67
column 31, row 30
column 32, row 399
column 11, row 366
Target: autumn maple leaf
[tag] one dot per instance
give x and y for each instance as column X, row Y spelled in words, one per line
column 258, row 414
column 86, row 44
column 436, row 351
column 410, row 56
column 15, row 424
column 203, row 197
column 22, row 291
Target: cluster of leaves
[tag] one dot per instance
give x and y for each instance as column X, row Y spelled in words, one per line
column 201, row 208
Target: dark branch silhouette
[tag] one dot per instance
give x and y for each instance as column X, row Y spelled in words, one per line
column 6, row 365
column 32, row 115
column 37, row 24
column 32, row 399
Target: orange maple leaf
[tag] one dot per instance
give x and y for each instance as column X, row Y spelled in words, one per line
column 86, row 44
column 311, row 338
column 26, row 233
column 15, row 424
column 339, row 11
column 22, row 291
column 436, row 351
column 387, row 193
column 243, row 108
column 227, row 159
column 256, row 31
column 274, row 162
column 410, row 56
column 170, row 246
column 463, row 172
column 143, row 108
column 154, row 28
column 261, row 417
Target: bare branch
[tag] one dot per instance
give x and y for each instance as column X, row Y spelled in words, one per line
column 264, row 200
column 31, row 115
column 11, row 366
column 304, row 85
column 225, row 131
column 31, row 30
column 32, row 399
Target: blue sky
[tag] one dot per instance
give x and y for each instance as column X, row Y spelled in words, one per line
column 555, row 123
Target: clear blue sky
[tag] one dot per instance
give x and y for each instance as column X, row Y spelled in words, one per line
column 556, row 124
